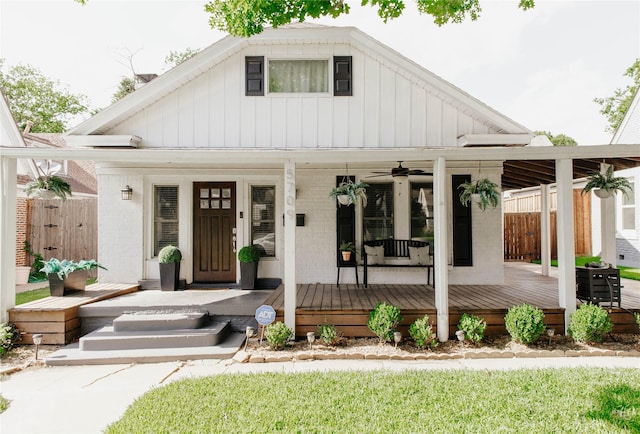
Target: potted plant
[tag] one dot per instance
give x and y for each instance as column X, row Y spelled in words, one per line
column 249, row 256
column 349, row 192
column 606, row 185
column 65, row 276
column 484, row 192
column 48, row 187
column 347, row 248
column 169, row 258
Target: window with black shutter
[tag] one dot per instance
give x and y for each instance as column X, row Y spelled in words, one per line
column 462, row 236
column 342, row 82
column 254, row 75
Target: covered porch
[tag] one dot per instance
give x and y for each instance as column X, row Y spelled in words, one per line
column 348, row 306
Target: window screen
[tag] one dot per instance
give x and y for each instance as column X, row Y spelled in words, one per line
column 378, row 214
column 263, row 221
column 298, row 76
column 165, row 217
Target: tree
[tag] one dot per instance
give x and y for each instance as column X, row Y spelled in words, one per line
column 175, row 58
column 248, row 17
column 559, row 140
column 36, row 98
column 615, row 107
column 126, row 86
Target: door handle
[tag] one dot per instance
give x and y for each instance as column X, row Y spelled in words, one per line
column 234, row 239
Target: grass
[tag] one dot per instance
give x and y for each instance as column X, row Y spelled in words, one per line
column 4, row 403
column 625, row 272
column 602, row 400
column 37, row 294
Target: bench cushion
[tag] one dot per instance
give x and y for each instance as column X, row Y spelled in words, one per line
column 419, row 255
column 375, row 255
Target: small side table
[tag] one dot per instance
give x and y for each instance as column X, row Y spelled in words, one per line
column 348, row 264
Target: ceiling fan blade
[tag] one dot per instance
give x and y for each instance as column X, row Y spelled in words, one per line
column 378, row 176
column 419, row 172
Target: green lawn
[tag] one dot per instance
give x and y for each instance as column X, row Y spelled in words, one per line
column 554, row 400
column 625, row 272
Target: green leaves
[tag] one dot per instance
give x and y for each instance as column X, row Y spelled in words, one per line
column 56, row 185
column 36, row 98
column 483, row 191
column 607, row 182
column 65, row 267
column 383, row 321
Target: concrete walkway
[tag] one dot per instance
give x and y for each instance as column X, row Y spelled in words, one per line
column 86, row 399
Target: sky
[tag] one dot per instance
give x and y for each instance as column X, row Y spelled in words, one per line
column 541, row 68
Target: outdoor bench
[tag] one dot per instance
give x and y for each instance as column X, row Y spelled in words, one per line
column 397, row 253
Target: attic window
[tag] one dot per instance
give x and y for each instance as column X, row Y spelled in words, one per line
column 298, row 76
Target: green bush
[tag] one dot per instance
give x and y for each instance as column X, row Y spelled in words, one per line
column 169, row 255
column 637, row 315
column 383, row 321
column 473, row 327
column 422, row 333
column 277, row 335
column 10, row 335
column 328, row 334
column 249, row 254
column 524, row 323
column 589, row 323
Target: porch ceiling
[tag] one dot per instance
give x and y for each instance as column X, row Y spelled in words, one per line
column 527, row 173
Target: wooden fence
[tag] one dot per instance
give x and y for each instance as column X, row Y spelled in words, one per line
column 64, row 230
column 522, row 232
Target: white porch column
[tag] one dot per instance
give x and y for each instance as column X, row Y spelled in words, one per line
column 290, row 245
column 566, row 247
column 8, row 174
column 545, row 229
column 440, row 254
column 608, row 251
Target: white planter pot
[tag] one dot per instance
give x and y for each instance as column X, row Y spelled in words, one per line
column 45, row 194
column 475, row 198
column 603, row 194
column 343, row 199
column 22, row 275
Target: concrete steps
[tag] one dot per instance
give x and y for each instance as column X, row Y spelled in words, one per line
column 166, row 329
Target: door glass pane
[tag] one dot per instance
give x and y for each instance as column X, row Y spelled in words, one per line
column 422, row 211
column 263, row 222
column 165, row 217
column 378, row 214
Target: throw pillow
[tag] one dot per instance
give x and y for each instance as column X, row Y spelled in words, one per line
column 419, row 255
column 375, row 255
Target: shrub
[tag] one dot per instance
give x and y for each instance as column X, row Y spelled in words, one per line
column 10, row 335
column 277, row 335
column 169, row 255
column 422, row 333
column 589, row 323
column 473, row 327
column 524, row 323
column 384, row 320
column 328, row 334
column 637, row 315
column 249, row 254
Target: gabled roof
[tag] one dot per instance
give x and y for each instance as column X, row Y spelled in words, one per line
column 630, row 125
column 9, row 132
column 128, row 106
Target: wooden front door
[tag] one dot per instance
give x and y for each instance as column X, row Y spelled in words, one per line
column 214, row 227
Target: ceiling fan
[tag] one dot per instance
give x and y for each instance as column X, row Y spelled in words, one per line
column 401, row 172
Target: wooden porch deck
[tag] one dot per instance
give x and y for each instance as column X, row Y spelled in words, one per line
column 348, row 306
column 56, row 318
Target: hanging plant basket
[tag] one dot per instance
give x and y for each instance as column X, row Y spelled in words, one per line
column 348, row 192
column 48, row 187
column 484, row 192
column 605, row 185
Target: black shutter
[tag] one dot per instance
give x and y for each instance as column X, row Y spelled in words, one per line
column 342, row 81
column 345, row 223
column 254, row 75
column 462, row 237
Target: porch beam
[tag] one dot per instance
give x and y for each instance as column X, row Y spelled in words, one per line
column 608, row 252
column 290, row 245
column 8, row 174
column 565, row 233
column 440, row 254
column 545, row 229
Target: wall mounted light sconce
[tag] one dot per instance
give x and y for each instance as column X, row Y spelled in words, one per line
column 127, row 193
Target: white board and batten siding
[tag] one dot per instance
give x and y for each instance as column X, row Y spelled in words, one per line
column 388, row 109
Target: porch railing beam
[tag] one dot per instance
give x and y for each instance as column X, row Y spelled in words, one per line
column 440, row 254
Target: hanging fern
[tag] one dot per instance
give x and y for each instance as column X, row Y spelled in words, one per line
column 52, row 183
column 485, row 188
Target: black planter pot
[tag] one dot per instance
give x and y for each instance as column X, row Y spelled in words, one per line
column 248, row 274
column 75, row 281
column 169, row 276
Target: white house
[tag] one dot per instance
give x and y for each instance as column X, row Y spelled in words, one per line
column 227, row 148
